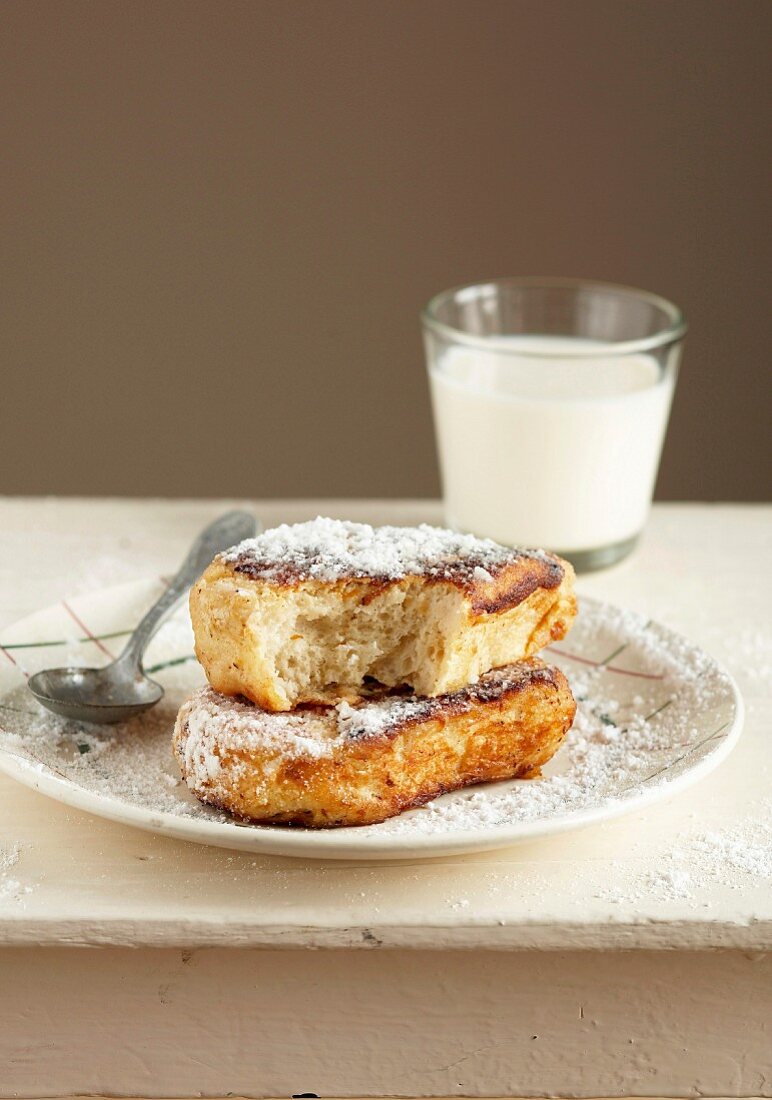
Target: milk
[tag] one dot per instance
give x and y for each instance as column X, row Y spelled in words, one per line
column 549, row 450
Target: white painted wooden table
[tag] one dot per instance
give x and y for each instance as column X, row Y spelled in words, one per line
column 557, row 967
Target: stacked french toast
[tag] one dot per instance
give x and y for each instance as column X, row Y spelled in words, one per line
column 356, row 672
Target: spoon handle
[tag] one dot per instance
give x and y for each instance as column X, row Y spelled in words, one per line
column 223, row 533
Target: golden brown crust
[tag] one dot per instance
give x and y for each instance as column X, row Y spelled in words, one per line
column 322, row 768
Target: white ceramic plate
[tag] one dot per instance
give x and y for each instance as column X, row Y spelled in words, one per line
column 655, row 714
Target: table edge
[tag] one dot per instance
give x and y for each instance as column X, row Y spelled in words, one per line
column 666, row 935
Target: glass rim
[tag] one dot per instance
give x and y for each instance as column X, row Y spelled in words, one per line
column 668, row 334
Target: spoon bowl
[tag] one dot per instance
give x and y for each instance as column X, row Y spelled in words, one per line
column 94, row 694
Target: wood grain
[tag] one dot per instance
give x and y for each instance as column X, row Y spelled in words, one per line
column 374, row 1023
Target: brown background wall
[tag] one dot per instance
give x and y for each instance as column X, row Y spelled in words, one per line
column 221, row 219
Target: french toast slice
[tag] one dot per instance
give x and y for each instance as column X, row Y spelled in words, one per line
column 314, row 612
column 325, row 766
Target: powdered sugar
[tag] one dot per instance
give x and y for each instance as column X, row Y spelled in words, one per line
column 743, row 848
column 734, row 858
column 369, row 719
column 330, row 550
column 211, row 719
column 11, row 887
column 130, row 762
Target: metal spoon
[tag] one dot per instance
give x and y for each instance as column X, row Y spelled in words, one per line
column 121, row 690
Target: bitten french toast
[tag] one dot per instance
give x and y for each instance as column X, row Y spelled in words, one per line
column 315, row 612
column 325, row 766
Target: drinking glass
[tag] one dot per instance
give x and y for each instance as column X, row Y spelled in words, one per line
column 551, row 399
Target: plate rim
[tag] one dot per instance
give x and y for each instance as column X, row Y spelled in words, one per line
column 342, row 844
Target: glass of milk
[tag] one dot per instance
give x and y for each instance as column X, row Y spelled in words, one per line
column 551, row 399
